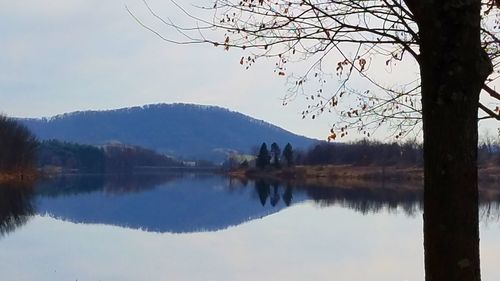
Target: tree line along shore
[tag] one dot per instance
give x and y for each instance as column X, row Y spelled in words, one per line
column 17, row 151
column 23, row 157
column 364, row 160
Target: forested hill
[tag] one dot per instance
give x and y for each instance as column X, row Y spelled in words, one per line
column 183, row 130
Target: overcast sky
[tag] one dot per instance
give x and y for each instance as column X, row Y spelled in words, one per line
column 59, row 56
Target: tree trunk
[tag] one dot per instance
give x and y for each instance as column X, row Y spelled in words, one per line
column 453, row 70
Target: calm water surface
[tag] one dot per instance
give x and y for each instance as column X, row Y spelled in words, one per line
column 205, row 227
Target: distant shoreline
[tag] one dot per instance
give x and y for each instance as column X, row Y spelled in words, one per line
column 335, row 172
column 324, row 175
column 19, row 177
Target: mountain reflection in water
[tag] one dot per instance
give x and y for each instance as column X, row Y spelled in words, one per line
column 180, row 203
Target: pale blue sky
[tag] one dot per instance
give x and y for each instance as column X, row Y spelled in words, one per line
column 58, row 56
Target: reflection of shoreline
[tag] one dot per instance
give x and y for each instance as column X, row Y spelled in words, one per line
column 25, row 177
column 74, row 184
column 180, row 203
column 177, row 203
column 355, row 176
column 16, row 206
column 367, row 199
column 365, row 196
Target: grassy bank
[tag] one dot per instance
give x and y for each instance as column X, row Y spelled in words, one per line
column 351, row 175
column 334, row 172
column 15, row 177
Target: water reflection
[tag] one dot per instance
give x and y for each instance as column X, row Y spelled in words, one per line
column 301, row 243
column 16, row 207
column 368, row 199
column 180, row 203
column 288, row 195
column 175, row 203
column 111, row 184
column 263, row 190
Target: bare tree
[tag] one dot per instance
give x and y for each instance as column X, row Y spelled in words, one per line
column 17, row 147
column 453, row 42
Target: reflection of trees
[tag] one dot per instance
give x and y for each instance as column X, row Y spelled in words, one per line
column 489, row 212
column 408, row 200
column 15, row 207
column 367, row 200
column 123, row 183
column 489, row 206
column 287, row 195
column 110, row 183
column 275, row 197
column 263, row 190
column 236, row 183
column 70, row 185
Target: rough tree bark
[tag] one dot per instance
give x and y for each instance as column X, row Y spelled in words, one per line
column 453, row 70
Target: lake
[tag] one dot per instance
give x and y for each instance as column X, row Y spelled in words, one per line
column 208, row 227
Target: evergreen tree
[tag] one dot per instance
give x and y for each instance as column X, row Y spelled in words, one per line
column 288, row 154
column 263, row 158
column 275, row 154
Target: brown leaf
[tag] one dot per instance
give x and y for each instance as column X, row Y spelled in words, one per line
column 362, row 63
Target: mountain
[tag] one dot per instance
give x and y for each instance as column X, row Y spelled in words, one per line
column 182, row 130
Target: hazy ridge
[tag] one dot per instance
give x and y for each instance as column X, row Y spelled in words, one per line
column 182, row 130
